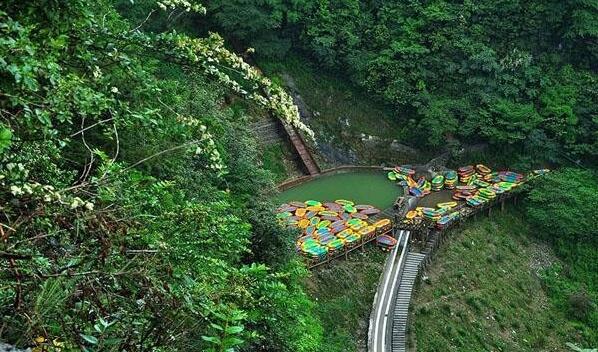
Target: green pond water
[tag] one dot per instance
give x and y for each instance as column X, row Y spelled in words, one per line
column 362, row 187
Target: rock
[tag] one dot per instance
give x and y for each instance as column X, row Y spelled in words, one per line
column 370, row 139
column 402, row 148
column 439, row 162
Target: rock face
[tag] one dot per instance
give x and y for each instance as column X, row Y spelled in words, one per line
column 439, row 162
column 402, row 148
column 4, row 347
column 304, row 111
column 347, row 146
column 337, row 155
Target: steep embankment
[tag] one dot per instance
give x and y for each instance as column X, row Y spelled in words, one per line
column 344, row 291
column 484, row 292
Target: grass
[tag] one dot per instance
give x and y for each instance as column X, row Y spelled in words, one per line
column 343, row 113
column 273, row 158
column 484, row 292
column 344, row 291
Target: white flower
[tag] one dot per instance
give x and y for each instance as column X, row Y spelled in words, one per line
column 89, row 206
column 77, row 202
column 114, row 90
column 97, row 73
column 28, row 189
column 16, row 191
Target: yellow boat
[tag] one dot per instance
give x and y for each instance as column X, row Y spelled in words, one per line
column 447, row 205
column 411, row 182
column 344, row 202
column 483, row 169
column 303, row 223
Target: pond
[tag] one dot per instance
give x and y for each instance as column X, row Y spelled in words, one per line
column 432, row 199
column 362, row 187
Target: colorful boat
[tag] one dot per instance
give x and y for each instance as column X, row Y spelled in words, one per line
column 437, row 183
column 303, row 223
column 411, row 214
column 414, row 191
column 370, row 211
column 283, row 215
column 360, row 216
column 297, row 204
column 405, row 170
column 383, row 225
column 328, row 213
column 349, row 208
column 447, row 205
column 386, row 242
column 344, row 202
column 483, row 169
column 300, row 212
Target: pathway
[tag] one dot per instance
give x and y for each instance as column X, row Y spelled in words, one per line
column 401, row 306
column 379, row 334
column 299, row 144
column 271, row 131
column 268, row 131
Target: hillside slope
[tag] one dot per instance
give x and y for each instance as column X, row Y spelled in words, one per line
column 484, row 292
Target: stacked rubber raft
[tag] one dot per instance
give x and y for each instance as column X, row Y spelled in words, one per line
column 442, row 216
column 403, row 175
column 477, row 185
column 330, row 228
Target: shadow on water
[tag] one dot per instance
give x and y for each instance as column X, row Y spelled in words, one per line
column 434, row 198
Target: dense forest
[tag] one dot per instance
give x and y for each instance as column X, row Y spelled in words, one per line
column 518, row 74
column 135, row 211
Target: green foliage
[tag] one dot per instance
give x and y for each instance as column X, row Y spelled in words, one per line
column 258, row 22
column 567, row 221
column 132, row 202
column 507, row 122
column 273, row 159
column 473, row 71
column 562, row 205
column 5, row 138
